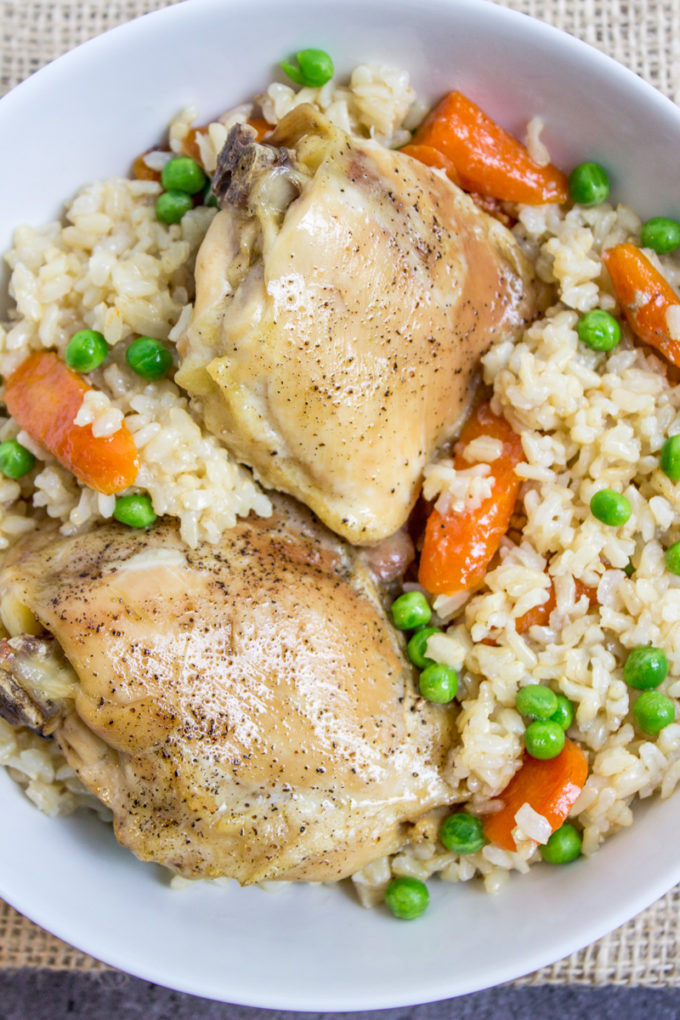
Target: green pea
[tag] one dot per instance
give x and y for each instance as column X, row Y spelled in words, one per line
column 536, row 701
column 410, row 610
column 149, row 358
column 183, row 174
column 15, row 460
column 670, row 458
column 417, row 647
column 661, row 234
column 462, row 833
column 314, row 68
column 599, row 330
column 653, row 711
column 588, row 184
column 672, row 557
column 407, row 898
column 610, row 507
column 86, row 350
column 563, row 846
column 135, row 510
column 564, row 713
column 438, row 683
column 645, row 668
column 544, row 739
column 172, row 205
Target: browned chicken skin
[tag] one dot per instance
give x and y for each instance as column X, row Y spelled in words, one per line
column 345, row 294
column 245, row 710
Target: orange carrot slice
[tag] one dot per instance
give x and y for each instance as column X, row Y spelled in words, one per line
column 458, row 546
column 486, row 158
column 43, row 396
column 261, row 127
column 432, row 157
column 585, row 589
column 190, row 142
column 645, row 297
column 550, row 787
column 540, row 615
column 142, row 172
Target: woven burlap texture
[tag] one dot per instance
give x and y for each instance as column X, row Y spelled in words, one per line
column 644, row 35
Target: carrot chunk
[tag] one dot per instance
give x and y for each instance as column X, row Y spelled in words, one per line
column 142, row 172
column 486, row 158
column 645, row 297
column 551, row 788
column 43, row 396
column 190, row 142
column 459, row 546
column 261, row 126
column 540, row 615
column 585, row 589
column 432, row 157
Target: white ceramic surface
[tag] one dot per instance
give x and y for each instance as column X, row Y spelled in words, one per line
column 313, row 948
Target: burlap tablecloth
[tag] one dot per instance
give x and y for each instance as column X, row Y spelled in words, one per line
column 644, row 35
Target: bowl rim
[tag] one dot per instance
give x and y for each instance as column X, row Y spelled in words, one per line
column 145, row 22
column 496, row 972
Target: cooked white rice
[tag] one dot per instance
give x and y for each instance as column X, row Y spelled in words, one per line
column 47, row 779
column 113, row 267
column 588, row 421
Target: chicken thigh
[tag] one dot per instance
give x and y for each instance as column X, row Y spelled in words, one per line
column 244, row 710
column 344, row 296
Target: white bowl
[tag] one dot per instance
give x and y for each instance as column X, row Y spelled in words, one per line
column 312, row 948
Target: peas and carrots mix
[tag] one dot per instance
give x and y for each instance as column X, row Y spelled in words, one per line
column 476, row 154
column 551, row 786
column 44, row 395
column 554, row 768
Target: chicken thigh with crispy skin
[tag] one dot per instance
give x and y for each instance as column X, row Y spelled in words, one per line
column 344, row 296
column 244, row 710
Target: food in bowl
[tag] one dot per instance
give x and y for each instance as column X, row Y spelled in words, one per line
column 545, row 591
